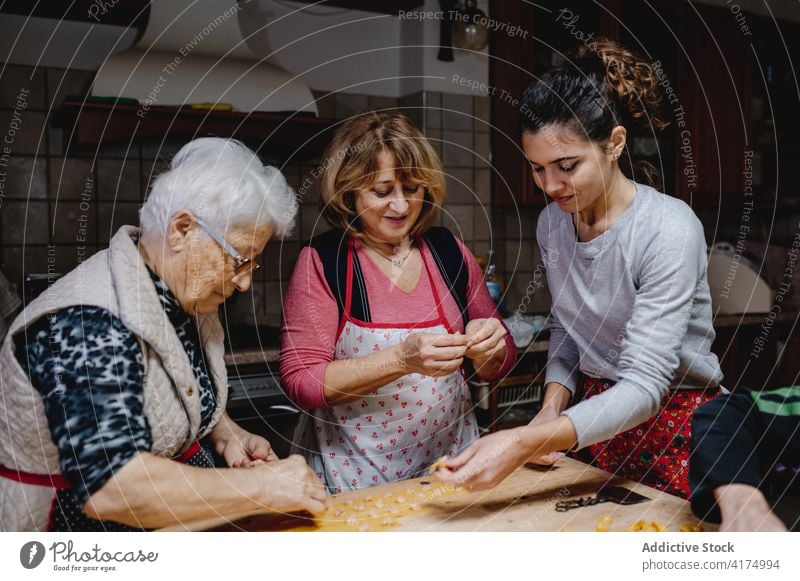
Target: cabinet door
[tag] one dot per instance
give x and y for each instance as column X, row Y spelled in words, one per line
column 714, row 87
column 511, row 57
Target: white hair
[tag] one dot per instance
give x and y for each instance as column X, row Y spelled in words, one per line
column 223, row 183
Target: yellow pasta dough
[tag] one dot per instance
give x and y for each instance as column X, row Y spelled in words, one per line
column 603, row 524
column 436, row 465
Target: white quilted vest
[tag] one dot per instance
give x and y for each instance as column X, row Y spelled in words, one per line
column 117, row 280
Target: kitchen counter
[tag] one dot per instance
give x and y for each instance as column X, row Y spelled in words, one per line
column 524, row 502
column 272, row 354
column 253, row 356
column 752, row 319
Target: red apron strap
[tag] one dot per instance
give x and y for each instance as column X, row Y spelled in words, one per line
column 56, row 481
column 348, row 293
column 441, row 318
column 188, row 454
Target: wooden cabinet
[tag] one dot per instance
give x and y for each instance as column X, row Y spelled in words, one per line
column 775, row 122
column 714, row 89
column 509, row 73
column 707, row 64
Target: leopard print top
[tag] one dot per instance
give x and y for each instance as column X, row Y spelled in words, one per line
column 89, row 369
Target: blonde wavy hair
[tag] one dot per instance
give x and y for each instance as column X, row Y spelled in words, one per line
column 351, row 163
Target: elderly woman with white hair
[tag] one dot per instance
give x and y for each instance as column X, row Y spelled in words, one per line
column 114, row 384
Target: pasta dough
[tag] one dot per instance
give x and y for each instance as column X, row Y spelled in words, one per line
column 378, row 512
column 436, row 465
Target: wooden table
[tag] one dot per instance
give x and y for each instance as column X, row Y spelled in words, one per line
column 524, row 502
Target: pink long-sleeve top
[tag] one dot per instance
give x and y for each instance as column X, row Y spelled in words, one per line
column 311, row 316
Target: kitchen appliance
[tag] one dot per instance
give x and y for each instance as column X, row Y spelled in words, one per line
column 257, row 402
column 735, row 284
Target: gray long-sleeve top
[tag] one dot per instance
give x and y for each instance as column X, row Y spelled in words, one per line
column 631, row 306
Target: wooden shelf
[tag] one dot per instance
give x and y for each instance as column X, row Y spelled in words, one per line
column 283, row 136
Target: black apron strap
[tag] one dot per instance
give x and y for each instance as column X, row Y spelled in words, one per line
column 450, row 261
column 331, row 246
column 332, row 249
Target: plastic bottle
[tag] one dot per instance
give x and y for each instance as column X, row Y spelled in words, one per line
column 493, row 284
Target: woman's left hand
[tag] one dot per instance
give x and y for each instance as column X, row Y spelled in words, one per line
column 245, row 450
column 239, row 448
column 485, row 339
column 486, row 462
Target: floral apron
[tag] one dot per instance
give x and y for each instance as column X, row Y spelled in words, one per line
column 398, row 430
column 656, row 452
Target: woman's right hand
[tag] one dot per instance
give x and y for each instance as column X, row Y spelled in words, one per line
column 556, row 399
column 433, row 354
column 289, row 486
column 546, row 414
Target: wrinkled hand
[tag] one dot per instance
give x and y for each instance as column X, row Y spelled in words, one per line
column 239, row 448
column 290, row 485
column 433, row 354
column 245, row 450
column 485, row 339
column 745, row 509
column 486, row 462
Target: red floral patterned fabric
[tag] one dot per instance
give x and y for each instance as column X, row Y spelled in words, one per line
column 656, row 452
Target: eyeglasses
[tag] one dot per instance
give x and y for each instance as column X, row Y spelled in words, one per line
column 243, row 265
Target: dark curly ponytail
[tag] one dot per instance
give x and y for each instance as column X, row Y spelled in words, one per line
column 601, row 86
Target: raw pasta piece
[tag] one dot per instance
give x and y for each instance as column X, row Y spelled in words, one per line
column 603, row 524
column 636, row 527
column 436, row 465
column 642, row 526
column 692, row 527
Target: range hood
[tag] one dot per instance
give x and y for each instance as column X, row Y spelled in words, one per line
column 198, row 54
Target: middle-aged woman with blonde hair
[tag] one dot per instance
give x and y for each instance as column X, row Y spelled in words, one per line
column 113, row 375
column 381, row 313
